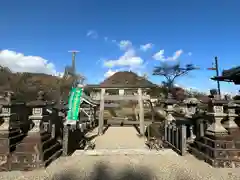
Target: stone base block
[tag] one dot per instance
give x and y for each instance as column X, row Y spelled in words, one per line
column 5, row 160
column 218, row 151
column 9, row 140
column 235, row 133
column 73, row 139
column 35, row 151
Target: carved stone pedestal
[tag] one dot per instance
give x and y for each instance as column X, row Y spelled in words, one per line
column 219, row 150
column 11, row 131
column 39, row 147
column 8, row 141
column 217, row 147
column 35, row 151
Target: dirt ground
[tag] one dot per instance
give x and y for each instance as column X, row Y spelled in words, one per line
column 120, row 154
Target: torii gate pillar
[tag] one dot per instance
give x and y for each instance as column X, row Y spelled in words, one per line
column 141, row 112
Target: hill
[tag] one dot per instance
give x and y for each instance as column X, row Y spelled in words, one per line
column 126, row 78
column 26, row 85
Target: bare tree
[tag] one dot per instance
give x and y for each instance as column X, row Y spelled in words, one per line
column 171, row 72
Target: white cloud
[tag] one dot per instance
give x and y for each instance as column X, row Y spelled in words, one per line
column 18, row 62
column 92, row 34
column 140, row 68
column 160, row 56
column 189, row 54
column 125, row 44
column 129, row 58
column 176, row 55
column 110, row 73
column 146, row 47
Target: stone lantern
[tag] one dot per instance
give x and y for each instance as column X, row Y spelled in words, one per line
column 11, row 127
column 216, row 113
column 169, row 108
column 6, row 111
column 38, row 147
column 190, row 106
column 11, row 112
column 230, row 124
column 40, row 115
column 190, row 111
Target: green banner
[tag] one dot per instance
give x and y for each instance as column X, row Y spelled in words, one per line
column 74, row 104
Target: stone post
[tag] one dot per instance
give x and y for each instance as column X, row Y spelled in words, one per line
column 141, row 112
column 101, row 113
column 57, row 127
column 192, row 135
column 200, row 128
column 216, row 114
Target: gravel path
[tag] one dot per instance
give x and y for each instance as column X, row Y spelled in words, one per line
column 164, row 165
column 119, row 138
column 138, row 167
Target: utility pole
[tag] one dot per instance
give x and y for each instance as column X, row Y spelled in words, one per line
column 217, row 73
column 74, row 52
column 73, row 68
column 216, row 68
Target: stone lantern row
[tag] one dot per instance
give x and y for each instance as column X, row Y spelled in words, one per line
column 190, row 107
column 39, row 118
column 215, row 112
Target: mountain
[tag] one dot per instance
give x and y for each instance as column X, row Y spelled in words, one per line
column 127, row 78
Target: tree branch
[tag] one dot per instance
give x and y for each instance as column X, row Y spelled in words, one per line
column 172, row 72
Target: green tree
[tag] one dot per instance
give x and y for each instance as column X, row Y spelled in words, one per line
column 171, row 72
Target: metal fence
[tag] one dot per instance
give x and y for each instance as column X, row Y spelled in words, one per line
column 175, row 137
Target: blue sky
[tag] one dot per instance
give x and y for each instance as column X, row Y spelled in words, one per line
column 110, row 33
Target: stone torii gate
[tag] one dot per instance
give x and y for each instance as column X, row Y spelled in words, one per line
column 121, row 96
